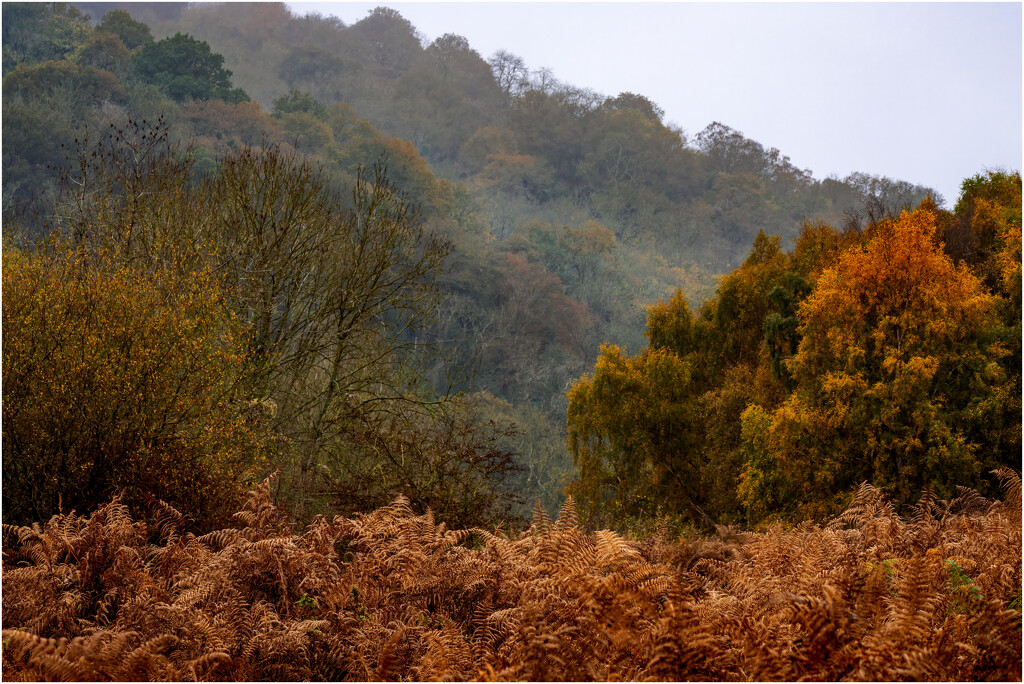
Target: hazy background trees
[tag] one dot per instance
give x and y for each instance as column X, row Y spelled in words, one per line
column 520, row 222
column 311, row 316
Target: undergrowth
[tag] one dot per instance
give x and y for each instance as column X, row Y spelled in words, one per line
column 393, row 595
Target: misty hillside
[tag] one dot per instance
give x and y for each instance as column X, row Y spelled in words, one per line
column 310, row 329
column 554, row 219
column 524, row 144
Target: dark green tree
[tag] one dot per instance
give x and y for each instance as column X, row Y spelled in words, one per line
column 299, row 101
column 44, row 107
column 186, row 69
column 37, row 32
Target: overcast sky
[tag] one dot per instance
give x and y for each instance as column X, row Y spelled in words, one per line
column 925, row 92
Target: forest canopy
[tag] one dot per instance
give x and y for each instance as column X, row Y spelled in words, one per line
column 867, row 355
column 415, row 255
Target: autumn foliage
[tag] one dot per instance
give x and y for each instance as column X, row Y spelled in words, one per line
column 886, row 353
column 632, row 429
column 392, row 595
column 895, row 373
column 181, row 319
column 118, row 382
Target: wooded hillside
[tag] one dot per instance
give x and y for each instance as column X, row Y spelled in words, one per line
column 564, row 213
column 397, row 303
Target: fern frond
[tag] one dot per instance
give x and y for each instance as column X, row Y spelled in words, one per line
column 969, row 502
column 568, row 516
column 612, row 548
column 1011, row 483
column 541, row 520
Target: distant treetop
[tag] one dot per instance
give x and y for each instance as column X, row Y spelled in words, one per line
column 132, row 33
column 186, row 68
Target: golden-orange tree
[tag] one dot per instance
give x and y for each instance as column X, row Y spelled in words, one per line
column 990, row 209
column 896, row 367
column 118, row 381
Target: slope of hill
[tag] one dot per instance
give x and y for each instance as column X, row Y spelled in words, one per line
column 566, row 212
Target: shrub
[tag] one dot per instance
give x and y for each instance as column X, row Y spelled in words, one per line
column 118, row 382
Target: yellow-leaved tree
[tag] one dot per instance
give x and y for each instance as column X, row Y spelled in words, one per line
column 634, row 424
column 895, row 373
column 119, row 381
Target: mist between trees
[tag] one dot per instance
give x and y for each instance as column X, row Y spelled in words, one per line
column 216, row 267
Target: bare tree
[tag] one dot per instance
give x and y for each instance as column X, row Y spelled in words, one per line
column 511, row 73
column 338, row 294
column 338, row 299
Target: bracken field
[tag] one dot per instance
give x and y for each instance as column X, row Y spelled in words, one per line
column 392, row 595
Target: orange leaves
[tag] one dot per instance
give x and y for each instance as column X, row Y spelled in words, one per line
column 991, row 206
column 1009, row 260
column 591, row 238
column 881, row 307
column 897, row 344
column 867, row 596
column 880, row 354
column 535, row 301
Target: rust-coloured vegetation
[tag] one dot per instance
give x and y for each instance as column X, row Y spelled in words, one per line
column 393, row 595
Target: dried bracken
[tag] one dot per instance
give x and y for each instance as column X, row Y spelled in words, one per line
column 392, row 595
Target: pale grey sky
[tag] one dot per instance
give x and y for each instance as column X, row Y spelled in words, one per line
column 925, row 92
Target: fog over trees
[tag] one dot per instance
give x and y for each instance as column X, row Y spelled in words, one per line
column 426, row 250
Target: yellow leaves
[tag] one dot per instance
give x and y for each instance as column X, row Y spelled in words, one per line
column 765, row 250
column 897, row 345
column 901, row 292
column 670, row 324
column 106, row 371
column 1009, row 259
column 922, row 368
column 632, row 424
